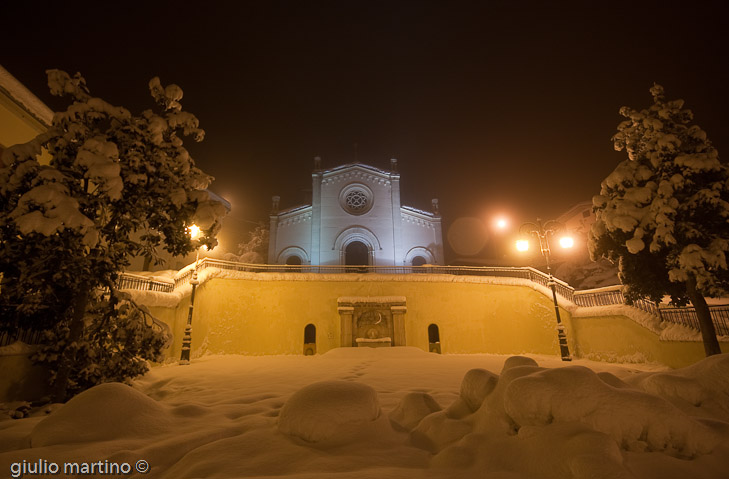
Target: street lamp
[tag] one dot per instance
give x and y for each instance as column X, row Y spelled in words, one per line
column 194, row 232
column 544, row 231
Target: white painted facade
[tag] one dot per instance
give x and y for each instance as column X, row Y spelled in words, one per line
column 355, row 206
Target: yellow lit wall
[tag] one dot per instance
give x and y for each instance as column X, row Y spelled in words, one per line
column 268, row 316
column 620, row 339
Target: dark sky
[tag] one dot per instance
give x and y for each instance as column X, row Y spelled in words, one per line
column 489, row 106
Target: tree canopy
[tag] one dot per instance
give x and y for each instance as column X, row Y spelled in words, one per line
column 117, row 185
column 663, row 213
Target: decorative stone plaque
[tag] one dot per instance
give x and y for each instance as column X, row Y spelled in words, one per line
column 372, row 321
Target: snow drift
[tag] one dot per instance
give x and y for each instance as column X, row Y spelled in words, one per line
column 394, row 412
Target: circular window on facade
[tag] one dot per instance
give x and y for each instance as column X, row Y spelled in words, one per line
column 356, row 199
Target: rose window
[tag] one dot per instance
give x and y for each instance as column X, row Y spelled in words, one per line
column 356, row 200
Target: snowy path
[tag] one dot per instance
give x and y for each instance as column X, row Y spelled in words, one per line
column 220, row 418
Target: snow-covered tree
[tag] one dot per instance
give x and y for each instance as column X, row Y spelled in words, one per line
column 663, row 214
column 117, row 185
column 255, row 250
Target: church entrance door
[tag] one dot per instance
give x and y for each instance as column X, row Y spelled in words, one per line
column 356, row 254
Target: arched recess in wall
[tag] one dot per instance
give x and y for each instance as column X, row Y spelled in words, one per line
column 283, row 256
column 309, row 340
column 433, row 338
column 419, row 251
column 357, row 234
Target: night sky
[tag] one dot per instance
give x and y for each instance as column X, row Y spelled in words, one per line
column 488, row 106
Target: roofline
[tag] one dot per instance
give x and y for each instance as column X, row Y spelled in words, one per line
column 24, row 98
column 294, row 209
column 416, row 211
column 374, row 169
column 220, row 199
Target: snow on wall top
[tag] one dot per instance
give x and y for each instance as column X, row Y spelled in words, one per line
column 371, row 299
column 17, row 92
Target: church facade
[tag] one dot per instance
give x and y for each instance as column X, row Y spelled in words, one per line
column 355, row 219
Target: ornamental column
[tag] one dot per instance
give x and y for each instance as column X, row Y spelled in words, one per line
column 346, row 316
column 398, row 323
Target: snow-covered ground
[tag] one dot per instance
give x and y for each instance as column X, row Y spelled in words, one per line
column 387, row 413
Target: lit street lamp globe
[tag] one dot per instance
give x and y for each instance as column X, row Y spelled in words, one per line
column 194, row 231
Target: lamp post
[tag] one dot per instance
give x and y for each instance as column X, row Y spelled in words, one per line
column 194, row 231
column 544, row 231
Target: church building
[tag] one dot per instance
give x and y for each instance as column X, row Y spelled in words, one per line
column 355, row 219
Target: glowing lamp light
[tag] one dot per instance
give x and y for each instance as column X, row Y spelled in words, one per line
column 522, row 245
column 566, row 242
column 194, row 231
column 502, row 223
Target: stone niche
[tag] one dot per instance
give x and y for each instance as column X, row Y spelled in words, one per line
column 372, row 321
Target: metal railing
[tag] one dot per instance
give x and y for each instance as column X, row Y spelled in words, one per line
column 28, row 336
column 528, row 273
column 131, row 281
column 612, row 295
column 687, row 317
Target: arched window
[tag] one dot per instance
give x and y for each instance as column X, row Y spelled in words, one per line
column 293, row 260
column 419, row 261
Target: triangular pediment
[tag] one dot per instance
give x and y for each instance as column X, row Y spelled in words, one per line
column 361, row 168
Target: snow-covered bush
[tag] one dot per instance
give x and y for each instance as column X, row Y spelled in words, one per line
column 253, row 251
column 117, row 185
column 663, row 214
column 115, row 349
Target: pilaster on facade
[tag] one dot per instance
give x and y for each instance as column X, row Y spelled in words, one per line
column 316, row 180
column 396, row 218
column 272, row 231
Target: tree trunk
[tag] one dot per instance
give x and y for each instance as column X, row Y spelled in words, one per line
column 706, row 324
column 76, row 329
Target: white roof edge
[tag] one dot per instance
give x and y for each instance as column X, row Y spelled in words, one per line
column 364, row 166
column 25, row 98
column 410, row 209
column 293, row 210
